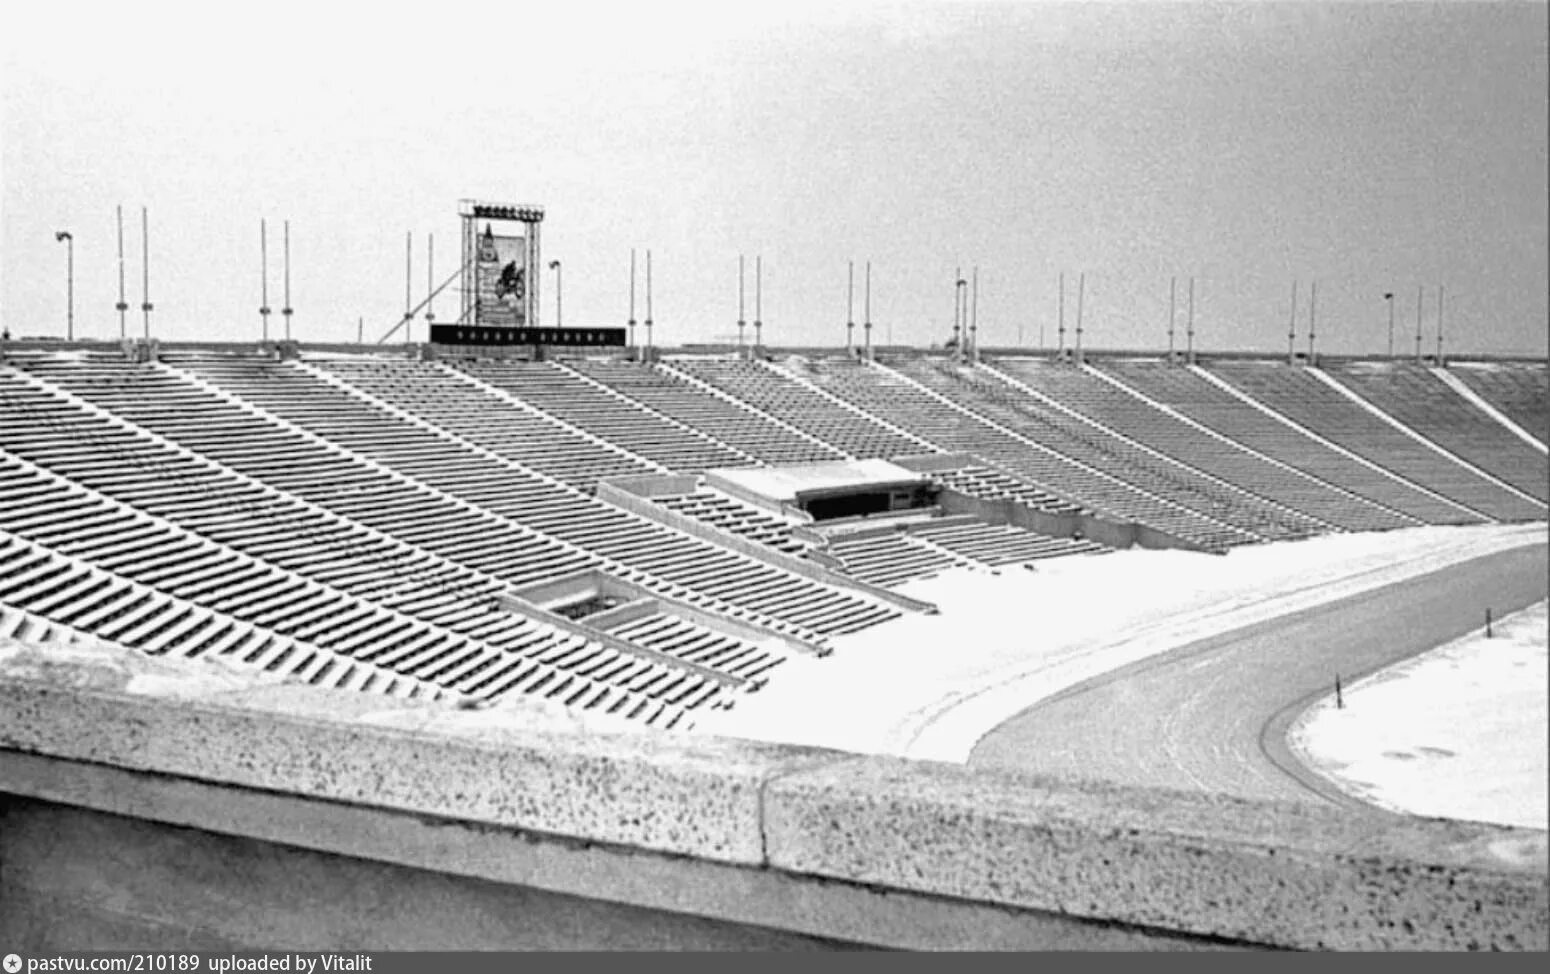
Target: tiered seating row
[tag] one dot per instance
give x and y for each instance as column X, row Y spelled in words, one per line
column 677, row 637
column 739, row 584
column 1088, row 394
column 899, row 401
column 563, row 393
column 988, row 393
column 1424, row 403
column 476, row 649
column 888, row 559
column 730, row 515
column 275, row 527
column 1520, row 391
column 779, row 395
column 1196, row 397
column 45, row 596
column 999, row 544
column 737, row 427
column 1304, row 399
column 447, row 398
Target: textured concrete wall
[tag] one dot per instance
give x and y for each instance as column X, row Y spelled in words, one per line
column 820, row 843
column 83, row 880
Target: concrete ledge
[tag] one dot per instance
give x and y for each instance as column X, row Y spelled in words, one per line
column 1262, row 872
column 1071, row 859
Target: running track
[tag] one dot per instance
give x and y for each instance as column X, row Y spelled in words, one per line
column 1212, row 716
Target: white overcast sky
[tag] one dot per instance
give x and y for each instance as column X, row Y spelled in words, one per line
column 1370, row 147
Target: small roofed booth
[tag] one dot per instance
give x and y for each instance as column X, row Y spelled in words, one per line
column 828, row 491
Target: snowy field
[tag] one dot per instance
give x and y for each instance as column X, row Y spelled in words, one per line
column 930, row 687
column 1459, row 732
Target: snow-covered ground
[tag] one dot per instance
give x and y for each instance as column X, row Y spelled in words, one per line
column 1459, row 732
column 932, row 686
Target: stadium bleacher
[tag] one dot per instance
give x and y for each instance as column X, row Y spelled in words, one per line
column 361, row 520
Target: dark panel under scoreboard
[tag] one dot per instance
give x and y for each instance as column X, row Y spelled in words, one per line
column 485, row 335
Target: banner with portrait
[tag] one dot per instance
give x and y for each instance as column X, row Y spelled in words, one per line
column 500, row 271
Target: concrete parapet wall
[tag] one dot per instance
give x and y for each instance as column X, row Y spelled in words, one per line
column 810, row 842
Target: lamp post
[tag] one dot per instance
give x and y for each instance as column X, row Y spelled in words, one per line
column 69, row 282
column 1388, row 296
column 559, row 317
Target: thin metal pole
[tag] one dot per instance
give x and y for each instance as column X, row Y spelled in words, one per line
column 957, row 313
column 69, row 241
column 1189, row 333
column 1081, row 289
column 122, row 305
column 1173, row 293
column 648, row 298
column 1389, row 297
column 1060, row 333
column 1291, row 328
column 1420, row 299
column 850, row 305
column 974, row 319
column 430, row 279
column 867, row 306
column 145, row 266
column 632, row 297
column 1439, row 326
column 360, row 330
column 758, row 301
column 263, row 274
column 1313, row 305
column 741, row 322
column 285, row 312
column 408, row 285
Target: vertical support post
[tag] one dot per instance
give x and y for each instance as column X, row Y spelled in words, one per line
column 1081, row 289
column 1488, row 634
column 430, row 283
column 263, row 287
column 957, row 311
column 123, row 305
column 285, row 312
column 145, row 267
column 408, row 285
column 648, row 300
column 741, row 322
column 1060, row 331
column 1439, row 327
column 850, row 305
column 360, row 330
column 1339, row 697
column 632, row 297
column 758, row 301
column 1173, row 293
column 1420, row 299
column 1189, row 332
column 974, row 319
column 1291, row 329
column 68, row 239
column 1388, row 297
column 867, row 306
column 1313, row 306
